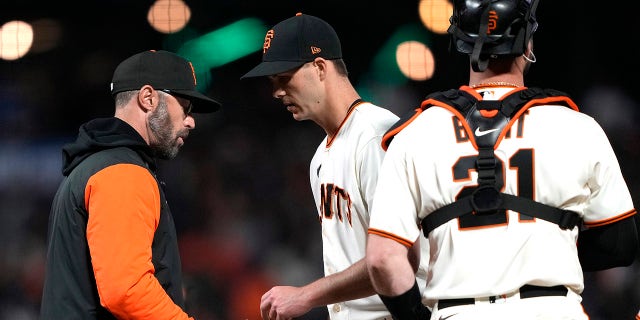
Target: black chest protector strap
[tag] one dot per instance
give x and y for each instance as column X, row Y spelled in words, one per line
column 486, row 198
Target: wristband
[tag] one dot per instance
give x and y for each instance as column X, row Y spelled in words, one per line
column 407, row 306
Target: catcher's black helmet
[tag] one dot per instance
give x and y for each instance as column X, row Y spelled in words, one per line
column 487, row 29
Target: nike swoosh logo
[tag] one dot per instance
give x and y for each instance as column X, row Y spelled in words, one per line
column 447, row 317
column 480, row 133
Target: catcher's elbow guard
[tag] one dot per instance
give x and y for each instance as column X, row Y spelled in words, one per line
column 407, row 306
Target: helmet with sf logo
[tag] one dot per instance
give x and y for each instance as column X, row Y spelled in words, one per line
column 487, row 29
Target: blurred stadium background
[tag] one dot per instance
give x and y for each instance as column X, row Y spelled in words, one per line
column 239, row 189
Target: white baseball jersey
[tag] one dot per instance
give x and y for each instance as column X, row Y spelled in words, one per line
column 553, row 154
column 343, row 174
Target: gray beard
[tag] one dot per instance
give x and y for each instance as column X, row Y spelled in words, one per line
column 163, row 144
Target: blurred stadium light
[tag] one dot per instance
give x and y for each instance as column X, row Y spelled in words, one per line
column 169, row 16
column 16, row 37
column 435, row 14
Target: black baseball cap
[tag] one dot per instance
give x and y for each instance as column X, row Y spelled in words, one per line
column 294, row 42
column 163, row 70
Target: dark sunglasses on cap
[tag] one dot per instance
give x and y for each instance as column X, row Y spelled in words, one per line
column 188, row 109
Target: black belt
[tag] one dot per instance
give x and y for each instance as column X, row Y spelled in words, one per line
column 526, row 291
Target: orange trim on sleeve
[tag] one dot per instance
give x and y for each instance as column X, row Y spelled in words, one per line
column 402, row 241
column 123, row 202
column 611, row 220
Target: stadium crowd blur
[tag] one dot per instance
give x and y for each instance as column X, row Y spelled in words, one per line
column 239, row 189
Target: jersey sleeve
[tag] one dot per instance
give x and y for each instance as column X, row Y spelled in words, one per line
column 394, row 213
column 123, row 202
column 610, row 198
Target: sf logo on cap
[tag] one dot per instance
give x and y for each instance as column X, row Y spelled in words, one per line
column 267, row 41
column 193, row 73
column 493, row 21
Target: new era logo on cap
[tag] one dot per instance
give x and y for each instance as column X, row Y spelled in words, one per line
column 162, row 70
column 294, row 42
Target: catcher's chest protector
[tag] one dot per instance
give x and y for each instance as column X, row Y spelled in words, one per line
column 486, row 122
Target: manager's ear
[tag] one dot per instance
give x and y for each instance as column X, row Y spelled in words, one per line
column 148, row 98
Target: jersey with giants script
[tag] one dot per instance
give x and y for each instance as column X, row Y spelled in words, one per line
column 549, row 153
column 343, row 174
